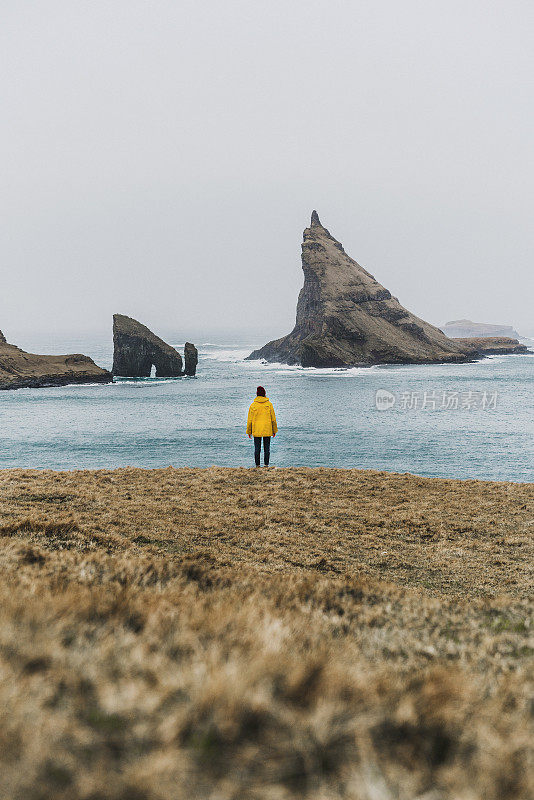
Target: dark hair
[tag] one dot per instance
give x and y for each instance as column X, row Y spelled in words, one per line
column 260, row 391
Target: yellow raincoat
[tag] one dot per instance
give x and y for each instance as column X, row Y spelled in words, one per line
column 261, row 418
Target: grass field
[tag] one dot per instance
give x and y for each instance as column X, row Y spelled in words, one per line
column 240, row 634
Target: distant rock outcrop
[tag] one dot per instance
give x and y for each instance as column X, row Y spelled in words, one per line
column 465, row 328
column 346, row 318
column 136, row 349
column 19, row 369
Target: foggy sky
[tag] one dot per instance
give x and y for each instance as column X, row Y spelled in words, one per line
column 161, row 159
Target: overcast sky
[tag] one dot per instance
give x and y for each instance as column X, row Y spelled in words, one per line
column 161, row 159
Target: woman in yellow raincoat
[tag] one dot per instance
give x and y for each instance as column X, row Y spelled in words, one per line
column 261, row 424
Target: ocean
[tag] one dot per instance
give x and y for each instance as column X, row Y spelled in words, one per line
column 455, row 421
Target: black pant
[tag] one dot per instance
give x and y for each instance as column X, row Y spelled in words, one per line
column 266, row 449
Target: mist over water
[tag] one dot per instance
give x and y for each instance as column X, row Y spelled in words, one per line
column 326, row 418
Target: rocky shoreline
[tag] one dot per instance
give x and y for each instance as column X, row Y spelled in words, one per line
column 54, row 380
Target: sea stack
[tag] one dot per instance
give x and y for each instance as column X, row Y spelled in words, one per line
column 19, row 369
column 136, row 349
column 190, row 358
column 346, row 318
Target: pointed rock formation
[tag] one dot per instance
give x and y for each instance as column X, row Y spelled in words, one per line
column 136, row 349
column 191, row 359
column 19, row 369
column 346, row 318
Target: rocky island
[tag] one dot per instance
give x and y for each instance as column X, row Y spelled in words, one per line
column 136, row 349
column 346, row 318
column 19, row 369
column 467, row 329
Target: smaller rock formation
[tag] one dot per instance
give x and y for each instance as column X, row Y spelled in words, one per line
column 19, row 369
column 190, row 358
column 492, row 346
column 136, row 349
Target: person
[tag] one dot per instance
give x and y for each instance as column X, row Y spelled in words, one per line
column 261, row 424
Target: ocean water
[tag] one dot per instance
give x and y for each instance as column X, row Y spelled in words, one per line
column 459, row 421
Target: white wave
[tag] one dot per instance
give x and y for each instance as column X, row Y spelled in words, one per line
column 75, row 386
column 235, row 355
column 225, row 345
column 229, row 355
column 142, row 381
column 295, row 369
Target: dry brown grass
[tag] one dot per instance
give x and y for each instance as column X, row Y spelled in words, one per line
column 246, row 634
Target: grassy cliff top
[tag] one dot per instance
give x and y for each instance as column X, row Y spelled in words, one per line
column 291, row 633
